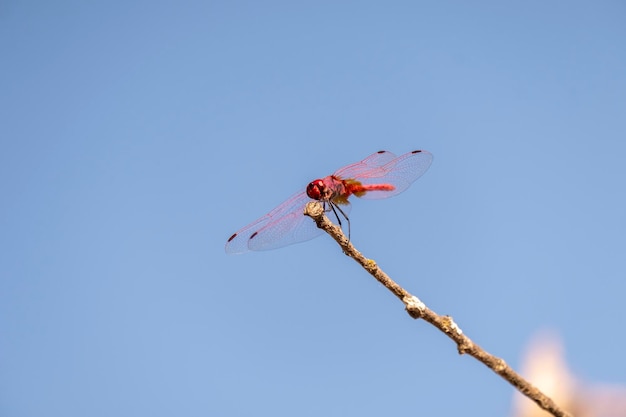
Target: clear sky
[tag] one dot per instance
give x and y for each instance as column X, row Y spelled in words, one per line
column 138, row 136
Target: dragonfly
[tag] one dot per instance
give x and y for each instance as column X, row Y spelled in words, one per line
column 380, row 175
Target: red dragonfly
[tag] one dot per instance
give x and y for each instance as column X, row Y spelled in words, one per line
column 380, row 175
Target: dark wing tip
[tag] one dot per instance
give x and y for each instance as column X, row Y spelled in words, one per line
column 232, row 237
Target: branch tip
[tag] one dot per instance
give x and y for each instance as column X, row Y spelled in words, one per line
column 314, row 209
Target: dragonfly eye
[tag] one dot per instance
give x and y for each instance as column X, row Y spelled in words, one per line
column 314, row 189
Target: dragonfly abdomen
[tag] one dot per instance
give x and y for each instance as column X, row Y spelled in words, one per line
column 359, row 189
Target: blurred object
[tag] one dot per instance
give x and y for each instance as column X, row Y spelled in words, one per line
column 544, row 365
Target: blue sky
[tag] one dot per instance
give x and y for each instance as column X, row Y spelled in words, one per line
column 138, row 136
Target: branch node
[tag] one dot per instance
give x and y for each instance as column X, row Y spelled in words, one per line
column 450, row 326
column 465, row 347
column 414, row 306
column 370, row 264
column 500, row 365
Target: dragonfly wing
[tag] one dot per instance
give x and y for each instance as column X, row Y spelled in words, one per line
column 401, row 172
column 294, row 227
column 289, row 212
column 368, row 165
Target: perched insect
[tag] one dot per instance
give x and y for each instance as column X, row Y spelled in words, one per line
column 380, row 175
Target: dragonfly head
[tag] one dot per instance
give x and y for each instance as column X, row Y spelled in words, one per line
column 317, row 190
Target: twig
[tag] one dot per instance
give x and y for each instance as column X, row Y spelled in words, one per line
column 418, row 310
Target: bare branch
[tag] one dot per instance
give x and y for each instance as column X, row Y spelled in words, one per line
column 418, row 310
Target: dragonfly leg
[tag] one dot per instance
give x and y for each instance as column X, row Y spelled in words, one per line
column 332, row 208
column 335, row 206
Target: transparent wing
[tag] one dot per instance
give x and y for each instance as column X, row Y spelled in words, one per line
column 368, row 165
column 283, row 226
column 287, row 213
column 400, row 172
column 292, row 228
